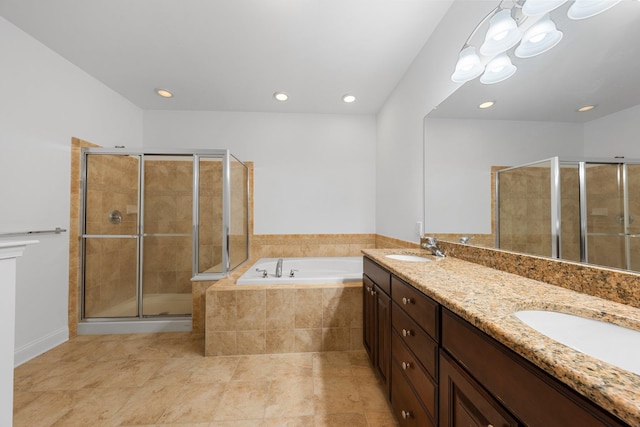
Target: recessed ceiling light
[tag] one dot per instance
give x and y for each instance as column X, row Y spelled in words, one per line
column 281, row 96
column 164, row 93
column 586, row 108
column 486, row 104
column 348, row 98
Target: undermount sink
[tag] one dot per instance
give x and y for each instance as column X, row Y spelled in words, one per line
column 610, row 343
column 410, row 258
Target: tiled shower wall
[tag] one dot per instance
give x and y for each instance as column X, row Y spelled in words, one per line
column 110, row 272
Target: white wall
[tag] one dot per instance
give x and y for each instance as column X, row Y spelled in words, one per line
column 617, row 134
column 459, row 157
column 46, row 101
column 314, row 173
column 399, row 164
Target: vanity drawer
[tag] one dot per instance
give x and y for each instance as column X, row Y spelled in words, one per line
column 378, row 275
column 406, row 406
column 424, row 386
column 420, row 307
column 417, row 340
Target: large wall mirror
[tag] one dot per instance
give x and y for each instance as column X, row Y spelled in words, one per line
column 535, row 117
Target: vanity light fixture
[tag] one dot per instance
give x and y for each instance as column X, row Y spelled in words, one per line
column 502, row 35
column 500, row 68
column 583, row 9
column 486, row 104
column 586, row 108
column 507, row 29
column 164, row 93
column 539, row 38
column 280, row 96
column 348, row 98
column 541, row 7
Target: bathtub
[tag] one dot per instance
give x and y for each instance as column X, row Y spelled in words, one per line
column 306, row 270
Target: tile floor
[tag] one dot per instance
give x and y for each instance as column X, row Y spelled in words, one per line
column 163, row 380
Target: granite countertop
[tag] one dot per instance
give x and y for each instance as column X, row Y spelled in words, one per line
column 487, row 298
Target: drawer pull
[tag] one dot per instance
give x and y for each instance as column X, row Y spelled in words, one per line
column 405, row 414
column 406, row 332
column 406, row 365
column 406, row 301
column 373, row 292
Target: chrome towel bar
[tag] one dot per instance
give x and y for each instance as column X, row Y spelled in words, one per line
column 57, row 230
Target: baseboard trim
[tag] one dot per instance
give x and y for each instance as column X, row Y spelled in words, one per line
column 43, row 344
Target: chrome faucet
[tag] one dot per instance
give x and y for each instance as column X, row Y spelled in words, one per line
column 432, row 244
column 279, row 268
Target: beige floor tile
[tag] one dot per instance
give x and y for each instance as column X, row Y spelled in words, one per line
column 253, row 368
column 148, row 404
column 331, row 364
column 381, row 419
column 195, row 404
column 213, row 369
column 307, row 421
column 290, row 397
column 292, row 365
column 163, row 380
column 243, row 400
column 340, row 420
column 336, row 395
column 44, row 411
column 238, row 423
column 93, row 407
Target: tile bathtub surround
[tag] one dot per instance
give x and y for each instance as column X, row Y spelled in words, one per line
column 283, row 319
column 313, row 245
column 614, row 285
column 488, row 297
column 162, row 379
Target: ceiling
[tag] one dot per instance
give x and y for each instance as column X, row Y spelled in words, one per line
column 234, row 54
column 596, row 62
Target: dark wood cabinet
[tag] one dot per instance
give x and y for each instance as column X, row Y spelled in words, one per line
column 440, row 370
column 464, row 403
column 532, row 396
column 414, row 350
column 376, row 304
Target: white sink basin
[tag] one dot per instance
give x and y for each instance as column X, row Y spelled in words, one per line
column 611, row 343
column 410, row 258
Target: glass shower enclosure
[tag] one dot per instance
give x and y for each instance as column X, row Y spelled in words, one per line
column 573, row 209
column 153, row 221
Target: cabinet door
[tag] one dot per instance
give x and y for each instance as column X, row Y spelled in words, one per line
column 383, row 337
column 464, row 403
column 368, row 319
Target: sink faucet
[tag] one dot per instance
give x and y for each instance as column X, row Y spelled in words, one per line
column 432, row 244
column 279, row 268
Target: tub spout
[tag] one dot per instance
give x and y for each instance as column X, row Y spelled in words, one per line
column 279, row 268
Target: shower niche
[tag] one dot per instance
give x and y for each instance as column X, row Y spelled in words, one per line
column 585, row 210
column 154, row 221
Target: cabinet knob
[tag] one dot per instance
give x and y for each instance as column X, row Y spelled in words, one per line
column 373, row 292
column 406, row 365
column 406, row 301
column 406, row 332
column 405, row 414
column 368, row 288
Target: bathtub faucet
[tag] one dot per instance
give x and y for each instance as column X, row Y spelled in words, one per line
column 279, row 268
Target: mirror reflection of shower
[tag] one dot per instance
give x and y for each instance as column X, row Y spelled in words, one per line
column 579, row 210
column 155, row 221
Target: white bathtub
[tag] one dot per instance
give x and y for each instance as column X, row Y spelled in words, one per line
column 309, row 270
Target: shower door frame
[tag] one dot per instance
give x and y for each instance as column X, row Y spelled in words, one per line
column 195, row 155
column 581, row 163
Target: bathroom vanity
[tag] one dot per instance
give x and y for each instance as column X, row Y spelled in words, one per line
column 452, row 353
